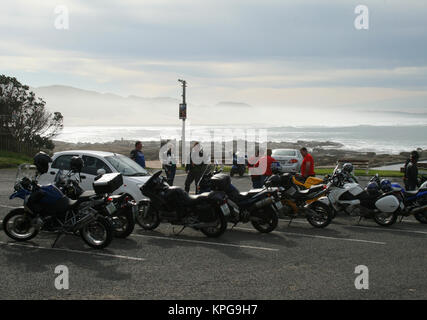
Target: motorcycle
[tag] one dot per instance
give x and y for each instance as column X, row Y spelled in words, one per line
column 415, row 202
column 119, row 209
column 258, row 206
column 46, row 208
column 354, row 200
column 205, row 212
column 239, row 165
column 310, row 203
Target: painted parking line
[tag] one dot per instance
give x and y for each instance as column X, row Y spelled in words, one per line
column 73, row 251
column 319, row 237
column 205, row 242
column 391, row 230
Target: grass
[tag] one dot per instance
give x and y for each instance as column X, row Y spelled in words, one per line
column 12, row 159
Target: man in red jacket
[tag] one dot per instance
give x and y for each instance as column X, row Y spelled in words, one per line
column 265, row 165
column 307, row 165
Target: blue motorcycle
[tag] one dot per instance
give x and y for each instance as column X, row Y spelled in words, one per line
column 415, row 202
column 46, row 208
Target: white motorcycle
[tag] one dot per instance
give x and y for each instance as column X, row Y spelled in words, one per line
column 354, row 200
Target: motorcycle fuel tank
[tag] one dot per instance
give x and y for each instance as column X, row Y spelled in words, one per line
column 387, row 204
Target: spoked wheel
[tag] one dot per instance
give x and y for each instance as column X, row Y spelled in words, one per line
column 123, row 223
column 219, row 229
column 321, row 216
column 18, row 226
column 148, row 218
column 267, row 222
column 97, row 234
column 385, row 219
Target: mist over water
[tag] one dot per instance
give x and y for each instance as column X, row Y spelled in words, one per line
column 380, row 139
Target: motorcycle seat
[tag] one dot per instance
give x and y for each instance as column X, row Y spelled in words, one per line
column 195, row 199
column 87, row 194
column 72, row 203
column 412, row 193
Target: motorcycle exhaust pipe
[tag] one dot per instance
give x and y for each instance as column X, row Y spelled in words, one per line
column 419, row 209
column 264, row 202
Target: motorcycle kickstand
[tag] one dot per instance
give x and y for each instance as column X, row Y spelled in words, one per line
column 401, row 219
column 234, row 226
column 57, row 238
column 360, row 219
column 290, row 221
column 177, row 234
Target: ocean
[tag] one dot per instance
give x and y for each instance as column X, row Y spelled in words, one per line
column 364, row 138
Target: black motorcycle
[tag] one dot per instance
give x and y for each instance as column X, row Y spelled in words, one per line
column 205, row 212
column 119, row 209
column 46, row 208
column 258, row 206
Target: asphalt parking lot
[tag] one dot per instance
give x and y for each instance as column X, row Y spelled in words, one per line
column 294, row 262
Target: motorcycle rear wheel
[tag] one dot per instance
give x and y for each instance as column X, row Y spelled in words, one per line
column 269, row 223
column 98, row 234
column 18, row 226
column 383, row 221
column 219, row 229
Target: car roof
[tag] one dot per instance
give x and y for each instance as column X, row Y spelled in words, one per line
column 285, row 149
column 86, row 152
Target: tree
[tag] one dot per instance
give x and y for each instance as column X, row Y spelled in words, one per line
column 25, row 117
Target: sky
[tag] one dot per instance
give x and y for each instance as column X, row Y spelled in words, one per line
column 276, row 53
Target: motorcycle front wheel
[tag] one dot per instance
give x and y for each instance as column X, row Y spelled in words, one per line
column 219, row 229
column 98, row 234
column 18, row 226
column 123, row 223
column 421, row 217
column 322, row 215
column 148, row 218
column 385, row 219
column 267, row 222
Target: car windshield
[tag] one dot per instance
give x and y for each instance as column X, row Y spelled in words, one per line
column 289, row 153
column 126, row 166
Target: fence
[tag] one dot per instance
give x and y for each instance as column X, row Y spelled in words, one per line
column 8, row 143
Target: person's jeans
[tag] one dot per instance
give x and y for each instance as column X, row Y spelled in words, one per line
column 170, row 173
column 257, row 181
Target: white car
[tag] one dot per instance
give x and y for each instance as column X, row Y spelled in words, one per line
column 290, row 159
column 96, row 162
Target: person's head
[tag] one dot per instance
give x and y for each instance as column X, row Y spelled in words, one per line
column 269, row 151
column 138, row 145
column 414, row 156
column 303, row 151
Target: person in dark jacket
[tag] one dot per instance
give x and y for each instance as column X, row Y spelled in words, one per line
column 170, row 166
column 411, row 172
column 192, row 169
column 137, row 155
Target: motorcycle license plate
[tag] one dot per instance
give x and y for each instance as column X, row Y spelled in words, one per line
column 225, row 209
column 279, row 205
column 111, row 208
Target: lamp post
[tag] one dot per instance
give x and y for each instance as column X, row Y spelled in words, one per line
column 183, row 117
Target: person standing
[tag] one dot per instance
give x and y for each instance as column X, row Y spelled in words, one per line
column 252, row 169
column 265, row 165
column 411, row 172
column 307, row 165
column 194, row 170
column 170, row 166
column 137, row 155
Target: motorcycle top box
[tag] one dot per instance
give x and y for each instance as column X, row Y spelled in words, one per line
column 108, row 183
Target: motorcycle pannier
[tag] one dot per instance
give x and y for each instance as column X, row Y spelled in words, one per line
column 108, row 183
column 220, row 182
